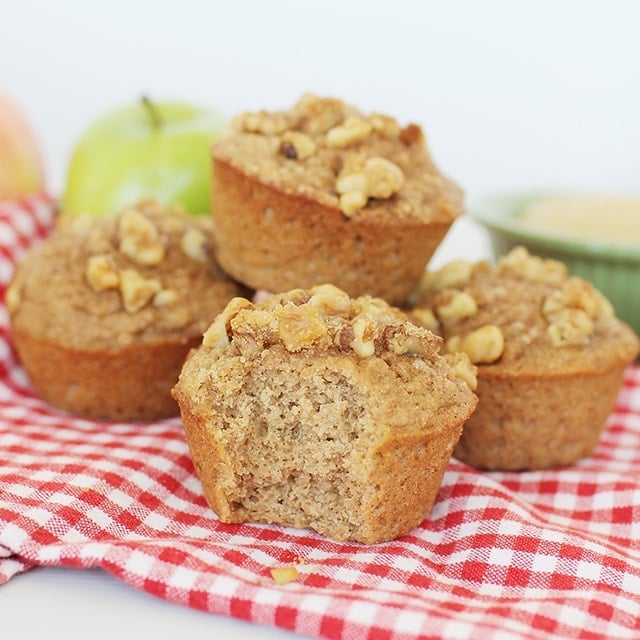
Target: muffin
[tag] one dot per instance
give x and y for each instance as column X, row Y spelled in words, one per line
column 104, row 311
column 314, row 410
column 550, row 357
column 323, row 193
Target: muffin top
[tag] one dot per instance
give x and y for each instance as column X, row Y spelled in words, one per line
column 524, row 316
column 325, row 150
column 143, row 275
column 325, row 320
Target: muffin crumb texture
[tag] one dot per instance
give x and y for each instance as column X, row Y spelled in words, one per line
column 311, row 409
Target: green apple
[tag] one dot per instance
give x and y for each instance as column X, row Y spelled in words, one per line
column 145, row 150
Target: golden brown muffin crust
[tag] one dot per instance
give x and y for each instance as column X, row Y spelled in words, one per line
column 177, row 290
column 547, row 321
column 323, row 149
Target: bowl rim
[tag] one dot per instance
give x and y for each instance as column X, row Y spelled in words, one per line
column 499, row 212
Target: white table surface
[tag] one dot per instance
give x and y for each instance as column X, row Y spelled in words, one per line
column 543, row 94
column 71, row 604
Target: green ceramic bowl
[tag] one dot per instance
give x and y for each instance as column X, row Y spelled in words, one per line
column 613, row 269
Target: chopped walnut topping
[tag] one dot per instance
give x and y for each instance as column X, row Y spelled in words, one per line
column 463, row 369
column 165, row 297
column 425, row 318
column 218, row 333
column 532, row 268
column 352, row 180
column 351, row 202
column 452, row 305
column 374, row 308
column 194, row 244
column 363, row 178
column 454, row 274
column 407, row 339
column 330, row 300
column 323, row 317
column 247, row 343
column 101, row 273
column 483, row 345
column 140, row 239
column 136, row 290
column 315, row 115
column 264, row 122
column 574, row 293
column 353, row 130
column 363, row 342
column 571, row 311
column 386, row 125
column 297, row 146
column 565, row 333
column 384, row 178
column 299, row 326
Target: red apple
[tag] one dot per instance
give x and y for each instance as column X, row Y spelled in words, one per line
column 20, row 161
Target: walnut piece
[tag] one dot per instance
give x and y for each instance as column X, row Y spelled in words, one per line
column 363, row 178
column 385, row 125
column 330, row 300
column 410, row 340
column 564, row 333
column 217, row 335
column 299, row 326
column 453, row 305
column 101, row 273
column 165, row 297
column 483, row 345
column 424, row 317
column 571, row 311
column 194, row 244
column 463, row 369
column 136, row 290
column 351, row 202
column 363, row 343
column 353, row 130
column 453, row 274
column 263, row 122
column 140, row 239
column 532, row 268
column 315, row 115
column 296, row 145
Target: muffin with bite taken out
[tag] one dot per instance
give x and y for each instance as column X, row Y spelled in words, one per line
column 313, row 409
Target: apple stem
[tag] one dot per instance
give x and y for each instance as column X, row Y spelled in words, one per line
column 154, row 114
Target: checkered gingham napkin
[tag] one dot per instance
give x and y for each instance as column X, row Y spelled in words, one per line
column 501, row 556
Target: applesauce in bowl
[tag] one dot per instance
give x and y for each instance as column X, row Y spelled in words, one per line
column 601, row 219
column 596, row 236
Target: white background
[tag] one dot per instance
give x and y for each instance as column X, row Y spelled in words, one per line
column 511, row 94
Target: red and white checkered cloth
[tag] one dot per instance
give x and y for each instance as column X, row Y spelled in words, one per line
column 502, row 555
